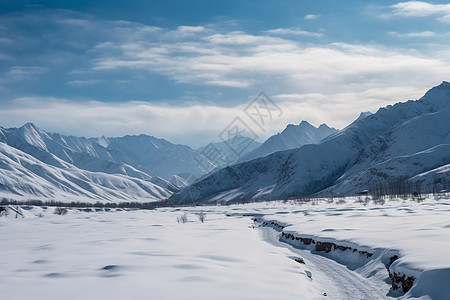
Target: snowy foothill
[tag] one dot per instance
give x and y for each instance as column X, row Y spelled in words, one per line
column 238, row 252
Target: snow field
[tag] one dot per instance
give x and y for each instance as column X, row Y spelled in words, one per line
column 143, row 255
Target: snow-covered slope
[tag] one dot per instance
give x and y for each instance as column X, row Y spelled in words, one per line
column 83, row 153
column 402, row 140
column 23, row 176
column 154, row 156
column 235, row 148
column 416, row 146
column 144, row 157
column 436, row 180
column 293, row 136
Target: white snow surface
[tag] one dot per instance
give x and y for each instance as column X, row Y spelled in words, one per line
column 143, row 255
column 148, row 255
column 418, row 232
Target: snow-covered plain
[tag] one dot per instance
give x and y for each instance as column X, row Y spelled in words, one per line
column 148, row 255
column 142, row 255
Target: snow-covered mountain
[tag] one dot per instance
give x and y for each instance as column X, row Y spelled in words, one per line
column 235, row 148
column 25, row 177
column 400, row 141
column 128, row 164
column 124, row 161
column 137, row 156
column 153, row 156
column 293, row 136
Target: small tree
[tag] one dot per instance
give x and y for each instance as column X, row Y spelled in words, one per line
column 182, row 218
column 16, row 209
column 61, row 211
column 201, row 216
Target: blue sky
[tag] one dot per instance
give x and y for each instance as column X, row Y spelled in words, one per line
column 184, row 70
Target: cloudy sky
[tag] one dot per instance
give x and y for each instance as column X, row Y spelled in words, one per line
column 184, row 70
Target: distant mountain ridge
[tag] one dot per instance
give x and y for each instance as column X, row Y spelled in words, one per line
column 409, row 140
column 292, row 137
column 24, row 177
column 403, row 140
column 143, row 159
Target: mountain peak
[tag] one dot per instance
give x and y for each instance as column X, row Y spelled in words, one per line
column 32, row 135
column 30, row 125
column 438, row 96
column 292, row 127
column 293, row 136
column 364, row 115
column 304, row 123
column 445, row 84
column 324, row 126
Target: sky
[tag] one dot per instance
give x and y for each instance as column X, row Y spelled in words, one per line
column 186, row 70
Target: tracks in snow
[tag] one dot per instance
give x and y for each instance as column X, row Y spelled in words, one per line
column 336, row 280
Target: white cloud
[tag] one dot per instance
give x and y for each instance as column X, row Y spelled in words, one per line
column 445, row 19
column 239, row 59
column 192, row 124
column 239, row 38
column 196, row 124
column 293, row 31
column 191, row 28
column 421, row 9
column 311, row 17
column 81, row 83
column 318, row 82
column 24, row 72
column 421, row 34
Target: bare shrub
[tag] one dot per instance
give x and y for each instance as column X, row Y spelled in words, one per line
column 61, row 211
column 201, row 216
column 182, row 218
column 379, row 201
column 341, row 201
column 39, row 215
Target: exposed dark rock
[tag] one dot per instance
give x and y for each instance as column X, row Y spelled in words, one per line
column 325, row 246
column 368, row 254
column 402, row 281
column 299, row 260
column 343, row 248
column 392, row 259
column 307, row 241
column 3, row 211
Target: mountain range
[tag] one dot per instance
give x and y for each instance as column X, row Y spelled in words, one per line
column 408, row 140
column 294, row 136
column 35, row 164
